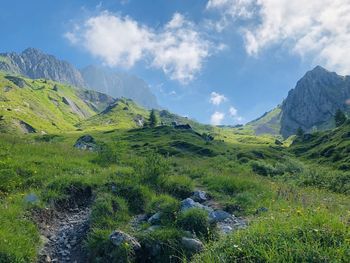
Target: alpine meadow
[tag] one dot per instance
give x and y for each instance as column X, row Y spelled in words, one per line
column 136, row 132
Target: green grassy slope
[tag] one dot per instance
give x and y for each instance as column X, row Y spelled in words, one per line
column 269, row 123
column 45, row 105
column 330, row 148
column 123, row 114
column 309, row 222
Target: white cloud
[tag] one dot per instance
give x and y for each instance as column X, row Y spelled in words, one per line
column 216, row 98
column 179, row 49
column 216, row 118
column 233, row 111
column 316, row 28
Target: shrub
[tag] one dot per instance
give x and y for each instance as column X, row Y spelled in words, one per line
column 167, row 206
column 162, row 245
column 263, row 168
column 101, row 248
column 135, row 194
column 109, row 212
column 9, row 180
column 154, row 166
column 177, row 185
column 195, row 220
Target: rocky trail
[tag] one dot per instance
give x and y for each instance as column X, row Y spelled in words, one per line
column 63, row 234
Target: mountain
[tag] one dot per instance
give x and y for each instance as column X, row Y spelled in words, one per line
column 119, row 85
column 311, row 105
column 35, row 64
column 31, row 106
column 314, row 101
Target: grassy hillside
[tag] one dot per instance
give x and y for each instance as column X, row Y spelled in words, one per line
column 123, row 114
column 268, row 123
column 42, row 104
column 290, row 204
column 329, row 148
column 142, row 171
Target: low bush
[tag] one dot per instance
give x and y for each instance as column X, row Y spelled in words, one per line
column 166, row 205
column 177, row 185
column 195, row 220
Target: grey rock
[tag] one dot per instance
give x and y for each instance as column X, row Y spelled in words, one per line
column 19, row 82
column 199, row 196
column 155, row 219
column 189, row 203
column 314, row 101
column 86, row 142
column 219, row 216
column 26, row 127
column 119, row 237
column 192, row 245
column 35, row 64
column 183, row 127
column 31, row 198
column 261, row 210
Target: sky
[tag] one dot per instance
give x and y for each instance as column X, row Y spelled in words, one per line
column 217, row 61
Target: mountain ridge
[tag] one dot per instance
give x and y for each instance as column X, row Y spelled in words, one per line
column 35, row 64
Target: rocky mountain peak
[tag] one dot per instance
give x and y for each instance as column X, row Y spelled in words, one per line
column 313, row 102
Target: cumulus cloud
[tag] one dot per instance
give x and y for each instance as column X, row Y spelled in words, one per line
column 178, row 48
column 217, row 118
column 216, row 98
column 316, row 28
column 233, row 111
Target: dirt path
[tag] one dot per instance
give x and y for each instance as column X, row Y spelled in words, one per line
column 63, row 234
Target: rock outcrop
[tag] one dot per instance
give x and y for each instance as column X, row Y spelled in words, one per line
column 314, row 101
column 35, row 64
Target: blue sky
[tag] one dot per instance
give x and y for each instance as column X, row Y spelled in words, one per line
column 218, row 61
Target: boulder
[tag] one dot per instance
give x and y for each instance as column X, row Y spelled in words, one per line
column 192, row 245
column 155, row 219
column 19, row 82
column 118, row 238
column 199, row 196
column 188, row 203
column 86, row 142
column 219, row 216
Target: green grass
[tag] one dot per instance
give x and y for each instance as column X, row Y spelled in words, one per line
column 148, row 170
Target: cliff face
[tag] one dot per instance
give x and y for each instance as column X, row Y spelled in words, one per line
column 119, row 85
column 35, row 64
column 314, row 100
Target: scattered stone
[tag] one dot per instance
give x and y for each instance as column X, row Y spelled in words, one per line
column 192, row 245
column 219, row 216
column 7, row 88
column 139, row 120
column 229, row 225
column 261, row 210
column 86, row 142
column 119, row 237
column 199, row 196
column 31, row 198
column 155, row 219
column 19, row 82
column 27, row 128
column 188, row 203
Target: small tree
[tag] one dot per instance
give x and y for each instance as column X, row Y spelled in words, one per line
column 300, row 132
column 153, row 119
column 339, row 118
